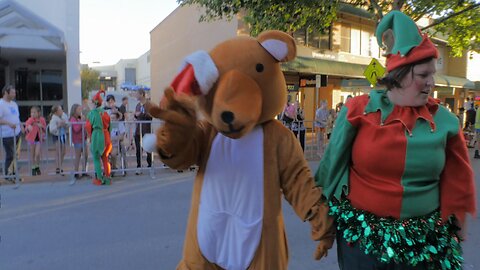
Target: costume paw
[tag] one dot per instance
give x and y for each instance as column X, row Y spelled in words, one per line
column 322, row 249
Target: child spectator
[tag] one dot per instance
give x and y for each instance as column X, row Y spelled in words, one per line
column 117, row 134
column 58, row 127
column 35, row 128
column 79, row 138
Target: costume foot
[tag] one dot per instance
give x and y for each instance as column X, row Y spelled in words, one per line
column 97, row 182
column 107, row 181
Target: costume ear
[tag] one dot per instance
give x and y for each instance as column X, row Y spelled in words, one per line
column 279, row 44
column 388, row 40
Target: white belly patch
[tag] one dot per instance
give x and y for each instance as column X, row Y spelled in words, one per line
column 231, row 202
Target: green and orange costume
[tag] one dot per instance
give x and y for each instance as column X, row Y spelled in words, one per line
column 98, row 128
column 398, row 179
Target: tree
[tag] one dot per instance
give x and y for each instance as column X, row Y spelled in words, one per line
column 90, row 80
column 456, row 19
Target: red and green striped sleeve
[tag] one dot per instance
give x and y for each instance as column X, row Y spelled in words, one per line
column 333, row 171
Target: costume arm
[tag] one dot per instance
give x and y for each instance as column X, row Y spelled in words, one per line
column 299, row 190
column 457, row 188
column 88, row 127
column 181, row 138
column 333, row 171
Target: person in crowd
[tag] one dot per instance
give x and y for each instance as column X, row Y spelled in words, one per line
column 98, row 129
column 298, row 126
column 321, row 116
column 35, row 128
column 470, row 116
column 58, row 127
column 10, row 128
column 477, row 134
column 142, row 129
column 468, row 103
column 332, row 115
column 111, row 106
column 289, row 113
column 124, row 107
column 461, row 116
column 396, row 172
column 117, row 134
column 338, row 107
column 79, row 139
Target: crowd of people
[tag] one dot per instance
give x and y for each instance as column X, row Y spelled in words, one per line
column 124, row 132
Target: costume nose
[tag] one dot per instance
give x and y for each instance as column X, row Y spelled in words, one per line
column 227, row 117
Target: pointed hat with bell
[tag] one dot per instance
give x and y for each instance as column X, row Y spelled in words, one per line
column 404, row 41
column 97, row 99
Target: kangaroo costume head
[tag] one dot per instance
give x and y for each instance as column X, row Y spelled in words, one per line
column 238, row 84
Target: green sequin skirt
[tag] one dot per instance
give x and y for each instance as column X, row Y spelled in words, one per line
column 408, row 241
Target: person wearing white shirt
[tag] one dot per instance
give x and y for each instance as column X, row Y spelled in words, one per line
column 58, row 127
column 117, row 134
column 9, row 125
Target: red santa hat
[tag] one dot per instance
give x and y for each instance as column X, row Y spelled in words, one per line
column 198, row 75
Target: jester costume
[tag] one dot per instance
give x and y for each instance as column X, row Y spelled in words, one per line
column 398, row 179
column 98, row 128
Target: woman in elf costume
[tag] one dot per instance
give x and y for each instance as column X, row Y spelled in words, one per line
column 397, row 173
column 98, row 129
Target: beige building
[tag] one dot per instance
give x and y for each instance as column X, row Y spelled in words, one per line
column 329, row 66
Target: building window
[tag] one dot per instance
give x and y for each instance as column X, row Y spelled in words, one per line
column 314, row 39
column 358, row 41
column 300, row 36
column 27, row 84
column 52, row 86
column 345, row 34
column 355, row 40
column 319, row 40
column 130, row 76
column 38, row 88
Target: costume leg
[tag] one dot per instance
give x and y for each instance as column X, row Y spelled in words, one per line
column 106, row 164
column 352, row 257
column 97, row 165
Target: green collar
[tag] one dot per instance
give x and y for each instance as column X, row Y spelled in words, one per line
column 378, row 101
column 408, row 116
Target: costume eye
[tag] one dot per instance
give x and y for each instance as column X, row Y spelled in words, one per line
column 259, row 67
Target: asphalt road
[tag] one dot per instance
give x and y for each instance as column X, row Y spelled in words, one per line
column 137, row 223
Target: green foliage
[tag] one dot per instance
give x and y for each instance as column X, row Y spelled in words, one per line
column 291, row 15
column 90, row 81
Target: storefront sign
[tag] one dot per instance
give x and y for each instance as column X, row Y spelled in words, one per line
column 292, row 87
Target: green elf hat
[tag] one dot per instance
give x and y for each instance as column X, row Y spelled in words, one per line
column 404, row 41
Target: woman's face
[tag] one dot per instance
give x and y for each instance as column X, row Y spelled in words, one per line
column 78, row 111
column 34, row 113
column 59, row 111
column 417, row 85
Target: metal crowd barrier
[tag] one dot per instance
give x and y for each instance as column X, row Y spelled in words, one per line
column 22, row 161
column 309, row 137
column 48, row 155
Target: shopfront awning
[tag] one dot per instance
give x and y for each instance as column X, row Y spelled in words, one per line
column 350, row 70
column 325, row 67
column 451, row 81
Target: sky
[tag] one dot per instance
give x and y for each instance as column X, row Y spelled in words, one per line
column 111, row 30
